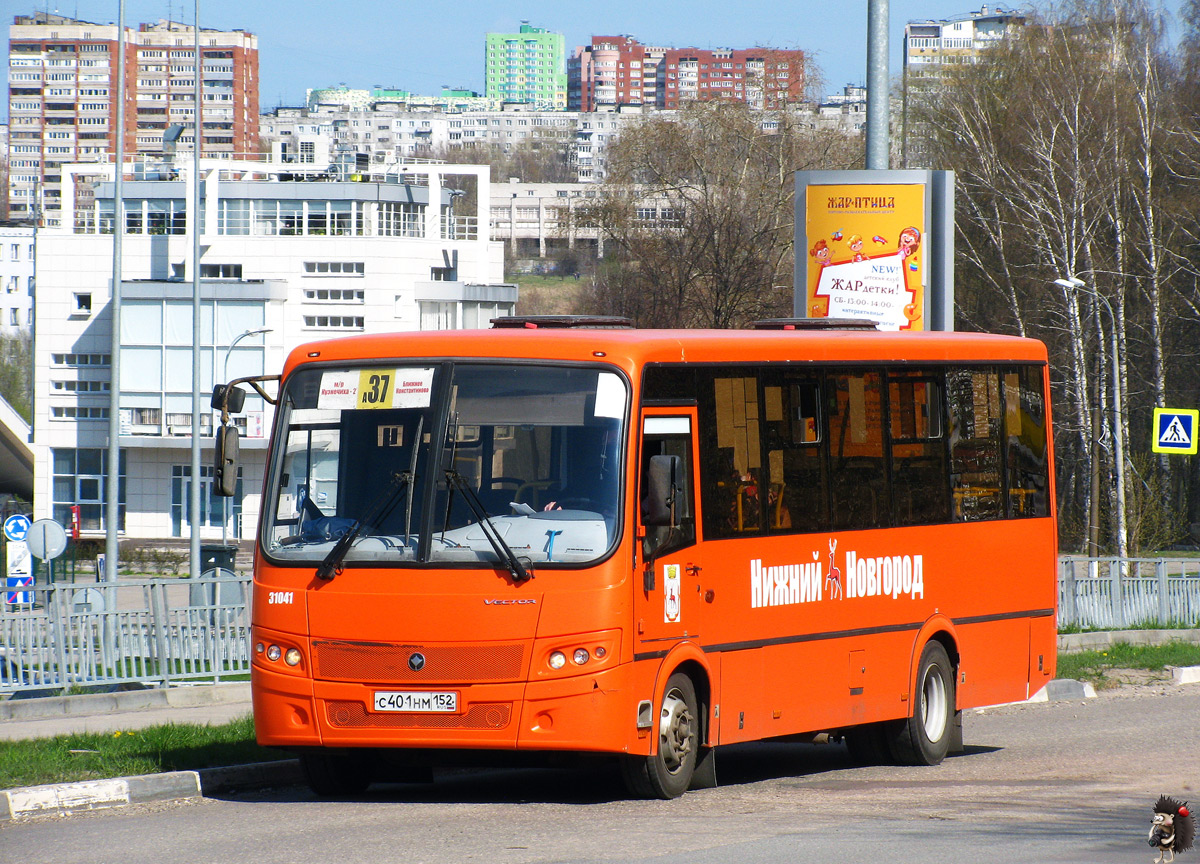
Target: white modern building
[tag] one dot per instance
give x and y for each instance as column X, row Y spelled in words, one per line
column 17, row 250
column 288, row 255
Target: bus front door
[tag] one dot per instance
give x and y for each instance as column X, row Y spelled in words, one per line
column 669, row 604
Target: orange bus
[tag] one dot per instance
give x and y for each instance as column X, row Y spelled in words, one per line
column 644, row 544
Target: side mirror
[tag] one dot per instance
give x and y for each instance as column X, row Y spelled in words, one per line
column 658, row 505
column 229, row 399
column 225, row 466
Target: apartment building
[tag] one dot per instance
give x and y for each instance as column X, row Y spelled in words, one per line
column 17, row 253
column 933, row 50
column 763, row 78
column 388, row 133
column 63, row 98
column 528, row 67
column 289, row 254
column 613, row 71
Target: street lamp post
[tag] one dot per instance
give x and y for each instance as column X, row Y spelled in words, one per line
column 1072, row 283
column 225, row 380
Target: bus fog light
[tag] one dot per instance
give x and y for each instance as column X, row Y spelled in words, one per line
column 292, row 657
column 273, row 652
column 581, row 656
column 259, row 647
column 558, row 660
column 600, row 651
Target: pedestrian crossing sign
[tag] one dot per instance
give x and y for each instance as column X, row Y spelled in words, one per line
column 1175, row 430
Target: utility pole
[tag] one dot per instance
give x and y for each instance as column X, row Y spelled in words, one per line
column 877, row 85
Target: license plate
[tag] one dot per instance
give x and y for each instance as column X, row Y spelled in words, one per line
column 417, row 701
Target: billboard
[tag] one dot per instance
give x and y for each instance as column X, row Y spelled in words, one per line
column 875, row 245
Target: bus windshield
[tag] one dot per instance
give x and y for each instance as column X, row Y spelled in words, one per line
column 427, row 464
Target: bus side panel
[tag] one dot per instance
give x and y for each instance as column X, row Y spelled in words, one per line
column 810, row 686
column 994, row 662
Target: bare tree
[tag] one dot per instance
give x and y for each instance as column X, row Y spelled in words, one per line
column 1068, row 144
column 698, row 212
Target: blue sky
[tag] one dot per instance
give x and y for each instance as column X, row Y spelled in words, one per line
column 421, row 46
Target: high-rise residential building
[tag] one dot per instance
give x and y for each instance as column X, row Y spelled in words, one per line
column 618, row 71
column 933, row 50
column 765, row 78
column 527, row 67
column 614, row 71
column 63, row 98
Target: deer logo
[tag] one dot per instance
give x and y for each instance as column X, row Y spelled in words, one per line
column 833, row 582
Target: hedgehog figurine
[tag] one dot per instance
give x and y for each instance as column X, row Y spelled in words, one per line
column 1172, row 830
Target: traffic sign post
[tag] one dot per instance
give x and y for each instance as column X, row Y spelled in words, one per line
column 1175, row 430
column 47, row 540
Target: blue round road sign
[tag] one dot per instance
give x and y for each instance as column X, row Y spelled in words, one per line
column 16, row 528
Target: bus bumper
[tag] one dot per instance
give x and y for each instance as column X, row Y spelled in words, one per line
column 582, row 713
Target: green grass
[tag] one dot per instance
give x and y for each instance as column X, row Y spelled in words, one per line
column 96, row 756
column 1096, row 666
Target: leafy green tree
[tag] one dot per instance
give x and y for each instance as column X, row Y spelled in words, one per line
column 16, row 374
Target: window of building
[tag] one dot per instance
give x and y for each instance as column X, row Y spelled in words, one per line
column 80, row 478
column 334, row 268
column 334, row 295
column 220, row 271
column 334, row 322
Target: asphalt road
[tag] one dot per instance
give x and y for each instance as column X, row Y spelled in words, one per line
column 1071, row 781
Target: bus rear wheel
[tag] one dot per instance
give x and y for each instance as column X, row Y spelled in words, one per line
column 336, row 774
column 668, row 772
column 924, row 738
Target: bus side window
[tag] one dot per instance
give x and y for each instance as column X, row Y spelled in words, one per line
column 920, row 493
column 1025, row 441
column 734, row 473
column 973, row 398
column 859, row 480
column 797, row 484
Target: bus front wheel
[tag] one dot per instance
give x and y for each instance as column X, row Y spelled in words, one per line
column 336, row 774
column 668, row 772
column 924, row 738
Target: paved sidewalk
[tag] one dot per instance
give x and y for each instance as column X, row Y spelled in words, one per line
column 213, row 704
column 204, row 704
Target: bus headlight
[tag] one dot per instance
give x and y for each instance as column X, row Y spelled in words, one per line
column 558, row 660
column 273, row 652
column 581, row 656
column 292, row 657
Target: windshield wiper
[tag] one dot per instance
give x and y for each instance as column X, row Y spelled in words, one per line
column 332, row 565
column 519, row 572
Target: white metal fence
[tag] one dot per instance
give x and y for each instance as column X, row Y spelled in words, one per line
column 70, row 635
column 1115, row 593
column 158, row 631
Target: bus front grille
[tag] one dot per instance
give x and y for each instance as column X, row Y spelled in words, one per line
column 383, row 662
column 483, row 715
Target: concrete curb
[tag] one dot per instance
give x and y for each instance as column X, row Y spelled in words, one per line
column 126, row 700
column 1185, row 675
column 64, row 798
column 1063, row 690
column 1101, row 640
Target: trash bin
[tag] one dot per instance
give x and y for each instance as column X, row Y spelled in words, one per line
column 218, row 557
